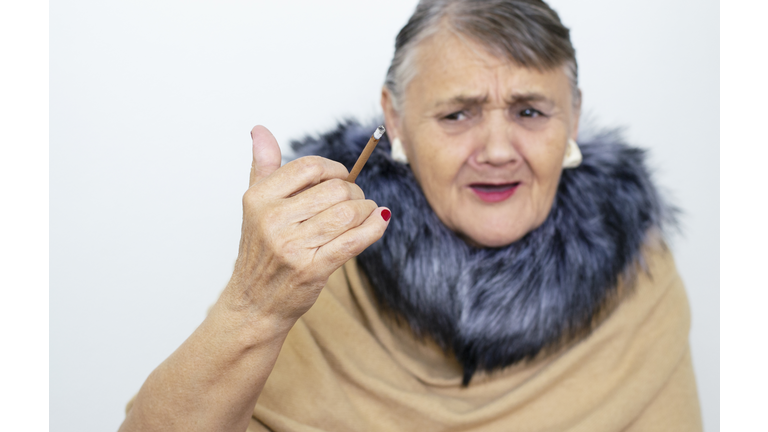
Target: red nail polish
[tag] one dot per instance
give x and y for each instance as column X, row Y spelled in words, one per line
column 386, row 214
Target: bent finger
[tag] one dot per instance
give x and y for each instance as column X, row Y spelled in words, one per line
column 321, row 197
column 336, row 220
column 300, row 174
column 352, row 242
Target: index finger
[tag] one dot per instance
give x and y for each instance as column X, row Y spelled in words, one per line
column 301, row 174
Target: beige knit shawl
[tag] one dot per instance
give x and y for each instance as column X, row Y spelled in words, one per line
column 346, row 367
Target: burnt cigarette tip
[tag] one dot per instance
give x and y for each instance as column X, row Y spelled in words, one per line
column 379, row 132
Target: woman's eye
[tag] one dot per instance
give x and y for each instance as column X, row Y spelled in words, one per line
column 458, row 115
column 530, row 112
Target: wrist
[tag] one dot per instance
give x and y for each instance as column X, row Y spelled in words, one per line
column 251, row 326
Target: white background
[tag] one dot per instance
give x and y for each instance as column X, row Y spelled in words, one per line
column 150, row 108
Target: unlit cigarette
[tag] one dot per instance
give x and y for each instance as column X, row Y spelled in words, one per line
column 366, row 153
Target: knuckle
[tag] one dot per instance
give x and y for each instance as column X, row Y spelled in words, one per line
column 302, row 162
column 249, row 198
column 339, row 189
column 313, row 166
column 344, row 215
column 357, row 191
column 371, row 204
column 339, row 167
column 349, row 247
column 253, row 203
column 306, row 167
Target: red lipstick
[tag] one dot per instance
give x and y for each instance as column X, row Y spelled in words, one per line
column 494, row 192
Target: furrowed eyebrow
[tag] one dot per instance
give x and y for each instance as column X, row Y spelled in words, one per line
column 526, row 97
column 463, row 101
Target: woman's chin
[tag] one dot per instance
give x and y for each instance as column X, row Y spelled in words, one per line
column 492, row 226
column 481, row 237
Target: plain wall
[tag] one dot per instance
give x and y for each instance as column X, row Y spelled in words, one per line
column 150, row 108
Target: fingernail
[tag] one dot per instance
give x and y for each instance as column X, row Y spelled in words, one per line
column 386, row 214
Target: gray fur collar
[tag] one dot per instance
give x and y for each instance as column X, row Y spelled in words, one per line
column 492, row 308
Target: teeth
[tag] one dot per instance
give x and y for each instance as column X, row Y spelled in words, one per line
column 493, row 188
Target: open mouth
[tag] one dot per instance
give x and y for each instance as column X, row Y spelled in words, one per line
column 494, row 192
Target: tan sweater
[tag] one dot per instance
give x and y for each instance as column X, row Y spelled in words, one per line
column 345, row 367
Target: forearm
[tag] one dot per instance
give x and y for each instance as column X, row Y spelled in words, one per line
column 212, row 381
column 301, row 222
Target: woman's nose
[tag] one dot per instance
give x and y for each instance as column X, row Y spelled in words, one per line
column 497, row 146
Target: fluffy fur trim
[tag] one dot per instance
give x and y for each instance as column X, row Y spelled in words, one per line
column 494, row 307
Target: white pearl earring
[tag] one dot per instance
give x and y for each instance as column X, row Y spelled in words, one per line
column 572, row 157
column 398, row 154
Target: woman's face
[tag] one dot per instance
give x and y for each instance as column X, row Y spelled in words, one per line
column 485, row 138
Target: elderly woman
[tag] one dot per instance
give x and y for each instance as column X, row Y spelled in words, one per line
column 485, row 273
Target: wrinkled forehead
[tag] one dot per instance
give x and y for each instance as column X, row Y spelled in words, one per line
column 451, row 66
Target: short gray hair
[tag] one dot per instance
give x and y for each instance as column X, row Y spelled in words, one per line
column 527, row 32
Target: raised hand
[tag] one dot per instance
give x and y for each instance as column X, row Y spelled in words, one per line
column 301, row 222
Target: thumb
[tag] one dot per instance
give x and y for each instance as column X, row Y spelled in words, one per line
column 266, row 154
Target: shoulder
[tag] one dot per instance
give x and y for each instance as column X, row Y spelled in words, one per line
column 654, row 309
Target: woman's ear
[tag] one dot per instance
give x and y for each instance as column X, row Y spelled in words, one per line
column 576, row 116
column 391, row 116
